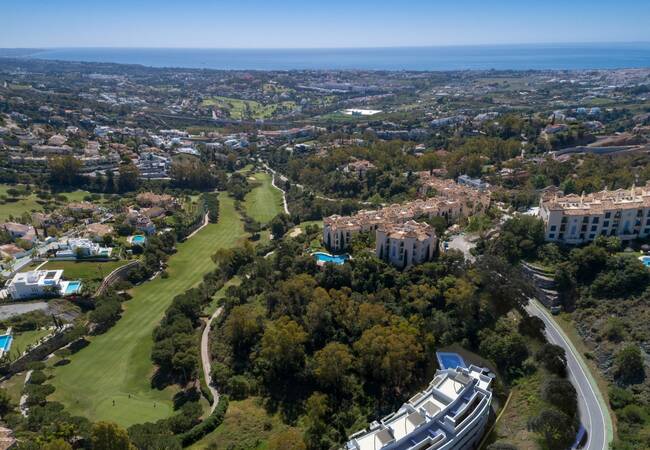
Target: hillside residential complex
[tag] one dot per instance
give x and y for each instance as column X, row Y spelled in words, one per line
column 576, row 219
column 452, row 201
column 450, row 414
column 405, row 244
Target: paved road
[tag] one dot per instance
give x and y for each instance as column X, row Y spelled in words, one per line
column 15, row 309
column 462, row 243
column 205, row 358
column 594, row 414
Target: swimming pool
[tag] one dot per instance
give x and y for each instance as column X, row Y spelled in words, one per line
column 447, row 360
column 138, row 239
column 327, row 258
column 645, row 260
column 5, row 343
column 72, row 287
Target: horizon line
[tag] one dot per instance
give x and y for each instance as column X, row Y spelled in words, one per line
column 580, row 43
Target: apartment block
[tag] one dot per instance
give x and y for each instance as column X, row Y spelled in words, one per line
column 405, row 244
column 451, row 414
column 451, row 201
column 578, row 219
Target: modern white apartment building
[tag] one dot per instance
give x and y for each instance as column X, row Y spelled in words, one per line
column 405, row 244
column 577, row 219
column 450, row 414
column 40, row 283
column 75, row 248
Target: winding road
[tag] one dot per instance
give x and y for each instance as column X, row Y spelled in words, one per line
column 594, row 415
column 205, row 358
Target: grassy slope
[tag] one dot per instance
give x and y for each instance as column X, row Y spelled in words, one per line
column 118, row 363
column 246, row 426
column 28, row 203
column 85, row 270
column 264, row 202
column 22, row 340
column 525, row 403
column 14, row 386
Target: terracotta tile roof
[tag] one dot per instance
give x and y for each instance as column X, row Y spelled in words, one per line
column 598, row 202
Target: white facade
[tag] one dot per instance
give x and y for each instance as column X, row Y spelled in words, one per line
column 38, row 283
column 576, row 219
column 450, row 414
column 84, row 248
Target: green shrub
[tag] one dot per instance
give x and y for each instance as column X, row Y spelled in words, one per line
column 208, row 425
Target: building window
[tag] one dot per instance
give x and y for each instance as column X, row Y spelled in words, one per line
column 591, row 236
column 596, row 219
column 605, row 223
column 608, row 215
column 553, row 227
column 646, row 231
column 594, row 227
column 551, row 236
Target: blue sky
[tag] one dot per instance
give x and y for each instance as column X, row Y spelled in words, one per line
column 333, row 23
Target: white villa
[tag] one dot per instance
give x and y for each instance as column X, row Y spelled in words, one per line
column 450, row 414
column 40, row 283
column 577, row 219
column 405, row 244
column 74, row 248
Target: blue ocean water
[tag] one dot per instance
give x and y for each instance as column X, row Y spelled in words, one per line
column 500, row 57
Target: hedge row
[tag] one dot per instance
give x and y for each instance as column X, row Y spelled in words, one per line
column 208, row 425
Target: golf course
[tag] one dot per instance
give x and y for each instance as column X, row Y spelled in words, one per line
column 264, row 202
column 28, row 203
column 110, row 378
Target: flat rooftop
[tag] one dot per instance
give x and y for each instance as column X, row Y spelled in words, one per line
column 433, row 417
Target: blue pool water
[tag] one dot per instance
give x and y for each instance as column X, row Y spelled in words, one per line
column 450, row 360
column 73, row 287
column 139, row 240
column 645, row 260
column 5, row 342
column 326, row 257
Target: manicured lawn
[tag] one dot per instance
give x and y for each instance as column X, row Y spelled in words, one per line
column 14, row 386
column 22, row 340
column 29, row 203
column 84, row 270
column 246, row 426
column 17, row 208
column 117, row 364
column 247, row 109
column 264, row 202
column 247, row 168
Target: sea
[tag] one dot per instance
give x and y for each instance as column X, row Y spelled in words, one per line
column 485, row 57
